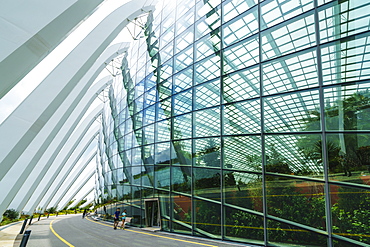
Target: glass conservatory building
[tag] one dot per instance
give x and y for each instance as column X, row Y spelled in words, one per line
column 244, row 120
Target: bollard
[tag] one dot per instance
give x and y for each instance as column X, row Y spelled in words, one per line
column 39, row 217
column 25, row 238
column 48, row 216
column 30, row 220
column 23, row 226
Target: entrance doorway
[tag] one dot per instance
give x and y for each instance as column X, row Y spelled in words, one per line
column 152, row 213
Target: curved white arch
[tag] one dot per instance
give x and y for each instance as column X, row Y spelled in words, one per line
column 78, row 200
column 60, row 83
column 31, row 46
column 26, row 191
column 46, row 190
column 88, row 175
column 50, row 147
column 67, row 184
column 22, row 127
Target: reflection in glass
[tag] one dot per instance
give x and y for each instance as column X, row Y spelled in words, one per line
column 280, row 234
column 343, row 61
column 243, row 189
column 182, row 126
column 292, row 112
column 207, row 94
column 297, row 201
column 293, row 35
column 241, row 225
column 243, row 153
column 182, row 208
column 349, row 157
column 347, row 107
column 298, row 155
column 207, row 152
column 242, row 85
column 183, row 152
column 290, row 73
column 242, row 118
column 181, row 179
column 207, row 218
column 208, row 122
column 336, row 19
column 350, row 211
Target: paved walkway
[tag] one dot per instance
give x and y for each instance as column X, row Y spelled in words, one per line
column 9, row 233
column 72, row 230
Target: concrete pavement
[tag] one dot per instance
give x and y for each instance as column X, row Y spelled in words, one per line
column 72, row 230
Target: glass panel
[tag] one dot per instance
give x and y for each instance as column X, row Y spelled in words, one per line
column 163, row 131
column 183, row 152
column 207, row 152
column 346, row 60
column 162, row 177
column 241, row 55
column 181, row 179
column 293, row 35
column 290, row 73
column 349, row 157
column 184, row 40
column 276, row 11
column 167, row 52
column 164, row 110
column 183, row 102
column 296, row 200
column 164, row 202
column 292, row 112
column 343, row 18
column 162, row 153
column 207, row 69
column 182, row 214
column 165, row 89
column 347, row 107
column 184, row 59
column 207, row 94
column 294, row 155
column 208, row 122
column 150, row 115
column 241, row 27
column 243, row 189
column 182, row 126
column 147, row 177
column 203, row 27
column 207, row 183
column 149, row 134
column 208, row 218
column 166, row 70
column 210, row 11
column 242, row 226
column 136, row 175
column 233, row 8
column 243, row 153
column 242, row 118
column 242, row 85
column 185, row 21
column 207, row 46
column 350, row 212
column 148, row 154
column 281, row 234
column 183, row 80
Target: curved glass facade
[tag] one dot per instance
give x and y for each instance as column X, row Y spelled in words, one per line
column 244, row 120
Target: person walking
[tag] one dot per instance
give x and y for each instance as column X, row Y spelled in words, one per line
column 124, row 214
column 116, row 216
